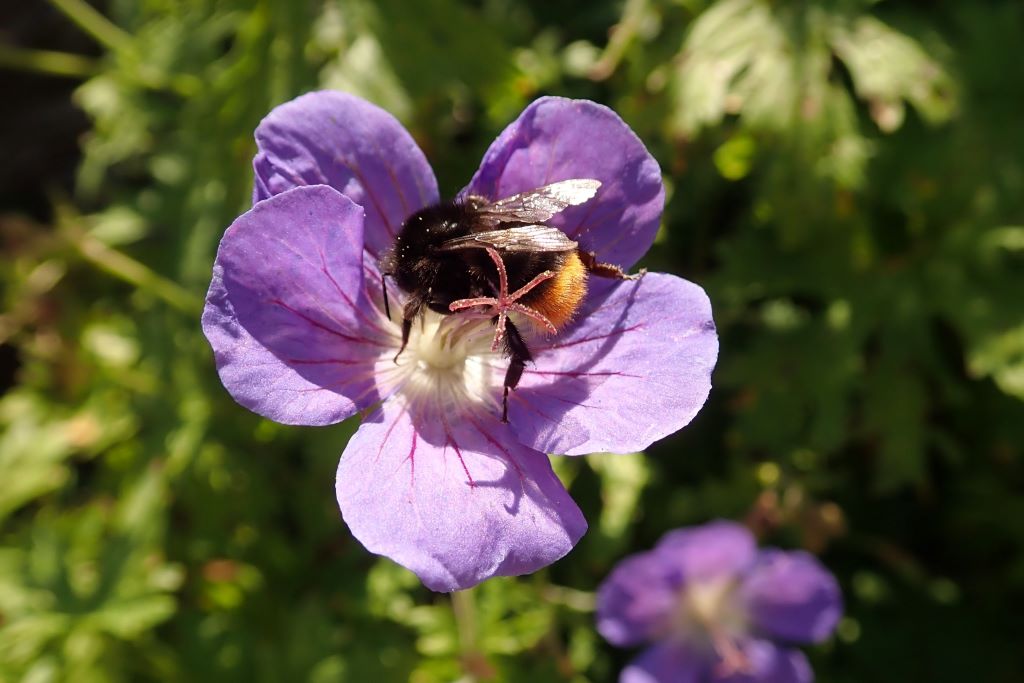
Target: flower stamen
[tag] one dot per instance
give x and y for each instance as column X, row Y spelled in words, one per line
column 734, row 660
column 446, row 368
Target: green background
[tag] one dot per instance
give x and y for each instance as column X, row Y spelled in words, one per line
column 845, row 178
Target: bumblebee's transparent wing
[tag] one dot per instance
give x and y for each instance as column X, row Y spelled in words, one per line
column 540, row 204
column 526, row 238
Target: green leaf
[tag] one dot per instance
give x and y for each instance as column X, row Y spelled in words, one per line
column 888, row 68
column 1001, row 357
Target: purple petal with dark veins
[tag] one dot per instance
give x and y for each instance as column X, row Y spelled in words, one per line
column 559, row 139
column 718, row 549
column 636, row 602
column 293, row 336
column 792, row 597
column 333, row 138
column 666, row 662
column 455, row 500
column 766, row 663
column 634, row 369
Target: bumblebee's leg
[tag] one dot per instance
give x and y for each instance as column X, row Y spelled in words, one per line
column 409, row 313
column 519, row 355
column 610, row 270
column 505, row 302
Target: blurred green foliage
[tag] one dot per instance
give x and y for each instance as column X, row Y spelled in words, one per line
column 846, row 177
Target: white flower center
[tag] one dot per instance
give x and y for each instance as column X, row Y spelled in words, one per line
column 711, row 614
column 711, row 603
column 447, row 364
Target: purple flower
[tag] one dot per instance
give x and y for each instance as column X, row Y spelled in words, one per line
column 432, row 478
column 717, row 609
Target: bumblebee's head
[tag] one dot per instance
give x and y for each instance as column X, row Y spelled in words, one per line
column 413, row 260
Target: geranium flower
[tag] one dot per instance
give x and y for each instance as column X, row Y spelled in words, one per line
column 717, row 610
column 432, row 478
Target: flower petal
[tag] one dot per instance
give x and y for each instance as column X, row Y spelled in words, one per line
column 665, row 662
column 766, row 663
column 716, row 550
column 292, row 335
column 455, row 501
column 333, row 138
column 792, row 597
column 558, row 139
column 636, row 602
column 636, row 368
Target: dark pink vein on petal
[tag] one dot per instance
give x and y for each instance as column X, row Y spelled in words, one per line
column 614, row 304
column 526, row 401
column 579, row 224
column 411, row 459
column 584, row 340
column 325, row 328
column 391, row 174
column 424, row 199
column 579, row 375
column 369, row 193
column 449, row 439
column 334, row 385
column 298, row 393
column 370, row 389
column 581, row 229
column 387, row 435
column 622, row 235
column 348, row 300
column 302, row 257
column 325, row 361
column 494, row 442
column 553, row 147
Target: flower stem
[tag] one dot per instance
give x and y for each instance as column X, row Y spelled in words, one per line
column 576, row 600
column 464, row 609
column 623, row 34
column 46, row 62
column 95, row 24
column 124, row 267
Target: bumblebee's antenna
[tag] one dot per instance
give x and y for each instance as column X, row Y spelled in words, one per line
column 384, row 288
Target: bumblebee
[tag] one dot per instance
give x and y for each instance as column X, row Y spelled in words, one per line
column 498, row 258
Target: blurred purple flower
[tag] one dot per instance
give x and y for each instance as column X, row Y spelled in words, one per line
column 718, row 610
column 432, row 478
